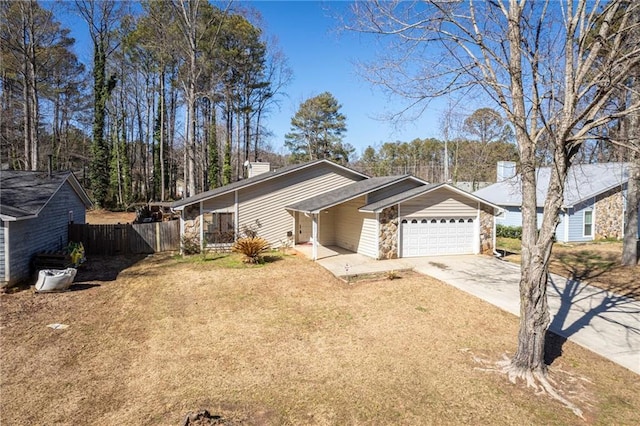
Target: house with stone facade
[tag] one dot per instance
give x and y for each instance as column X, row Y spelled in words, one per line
column 323, row 204
column 594, row 202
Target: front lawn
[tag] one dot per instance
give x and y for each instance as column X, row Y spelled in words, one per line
column 284, row 343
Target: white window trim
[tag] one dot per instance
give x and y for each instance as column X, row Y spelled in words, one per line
column 584, row 223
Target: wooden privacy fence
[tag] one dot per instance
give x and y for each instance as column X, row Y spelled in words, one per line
column 125, row 239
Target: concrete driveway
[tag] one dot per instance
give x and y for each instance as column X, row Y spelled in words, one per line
column 601, row 321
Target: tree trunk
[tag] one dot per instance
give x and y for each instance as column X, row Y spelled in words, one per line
column 162, row 135
column 630, row 242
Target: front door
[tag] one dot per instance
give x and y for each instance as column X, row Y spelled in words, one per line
column 305, row 228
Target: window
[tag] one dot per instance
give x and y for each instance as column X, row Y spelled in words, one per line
column 588, row 223
column 218, row 228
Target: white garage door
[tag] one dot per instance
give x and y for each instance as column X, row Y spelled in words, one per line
column 436, row 236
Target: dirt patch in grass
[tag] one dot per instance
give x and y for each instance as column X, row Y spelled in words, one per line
column 596, row 263
column 285, row 343
column 105, row 217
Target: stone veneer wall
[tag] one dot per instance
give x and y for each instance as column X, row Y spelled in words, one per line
column 486, row 230
column 192, row 221
column 388, row 238
column 608, row 215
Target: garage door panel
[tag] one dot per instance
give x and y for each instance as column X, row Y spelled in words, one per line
column 434, row 236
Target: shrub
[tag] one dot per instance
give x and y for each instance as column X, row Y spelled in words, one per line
column 190, row 245
column 509, row 231
column 252, row 248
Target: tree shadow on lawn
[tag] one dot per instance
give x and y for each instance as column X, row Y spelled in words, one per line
column 104, row 268
column 82, row 286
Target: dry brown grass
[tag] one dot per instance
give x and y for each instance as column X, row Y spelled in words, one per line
column 283, row 343
column 595, row 263
column 105, row 217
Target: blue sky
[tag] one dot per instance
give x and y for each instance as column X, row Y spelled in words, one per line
column 322, row 58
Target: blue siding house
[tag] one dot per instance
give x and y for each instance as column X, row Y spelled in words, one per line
column 35, row 211
column 594, row 203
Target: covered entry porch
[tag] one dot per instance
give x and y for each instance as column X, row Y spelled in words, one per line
column 333, row 230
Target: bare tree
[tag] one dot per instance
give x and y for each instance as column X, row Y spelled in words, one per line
column 630, row 241
column 194, row 25
column 554, row 68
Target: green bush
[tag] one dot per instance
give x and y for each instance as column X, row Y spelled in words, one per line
column 509, row 231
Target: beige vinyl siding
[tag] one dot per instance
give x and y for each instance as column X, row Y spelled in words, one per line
column 392, row 190
column 223, row 203
column 439, row 203
column 265, row 202
column 356, row 231
column 369, row 237
column 327, row 235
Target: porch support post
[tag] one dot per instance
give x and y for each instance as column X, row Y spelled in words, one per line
column 478, row 231
column 201, row 219
column 314, row 236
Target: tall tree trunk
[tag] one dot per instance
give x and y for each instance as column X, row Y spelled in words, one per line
column 257, row 136
column 26, row 111
column 214, row 168
column 162, row 136
column 100, row 152
column 630, row 242
column 630, row 239
column 226, row 166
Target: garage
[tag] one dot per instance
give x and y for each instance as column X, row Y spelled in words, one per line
column 430, row 236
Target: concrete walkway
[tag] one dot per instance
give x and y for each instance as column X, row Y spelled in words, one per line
column 601, row 321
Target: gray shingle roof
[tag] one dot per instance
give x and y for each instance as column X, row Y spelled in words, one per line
column 24, row 193
column 584, row 181
column 252, row 181
column 345, row 193
column 398, row 198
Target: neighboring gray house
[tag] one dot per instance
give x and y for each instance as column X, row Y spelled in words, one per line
column 35, row 211
column 594, row 201
column 323, row 204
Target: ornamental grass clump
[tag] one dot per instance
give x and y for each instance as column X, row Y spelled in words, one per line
column 252, row 248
